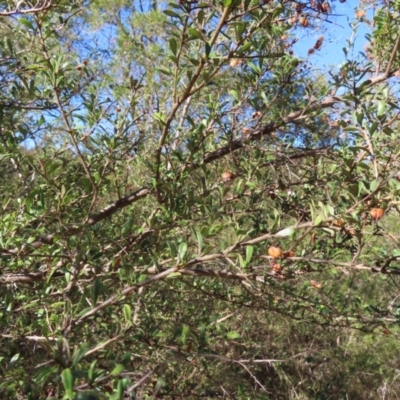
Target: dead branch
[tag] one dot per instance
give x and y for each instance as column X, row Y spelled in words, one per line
column 34, row 10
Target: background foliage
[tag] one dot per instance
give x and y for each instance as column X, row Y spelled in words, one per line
column 190, row 209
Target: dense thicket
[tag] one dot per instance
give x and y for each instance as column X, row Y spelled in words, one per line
column 194, row 205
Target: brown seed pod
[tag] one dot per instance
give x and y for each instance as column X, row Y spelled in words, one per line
column 257, row 114
column 318, row 43
column 325, row 7
column 313, row 238
column 351, row 231
column 338, row 222
column 287, row 254
column 377, row 213
column 246, row 131
column 277, row 268
column 304, row 21
column 275, row 252
column 315, row 284
column 333, row 124
column 228, row 175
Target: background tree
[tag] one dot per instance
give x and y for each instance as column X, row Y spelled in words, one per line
column 190, row 208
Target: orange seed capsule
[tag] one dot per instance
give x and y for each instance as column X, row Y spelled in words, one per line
column 377, row 213
column 234, row 62
column 360, row 14
column 227, row 175
column 275, row 252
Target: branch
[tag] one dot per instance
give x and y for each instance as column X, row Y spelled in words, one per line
column 102, row 345
column 29, row 337
column 74, row 229
column 265, row 130
column 240, row 362
column 117, row 205
column 392, row 56
column 46, row 5
column 114, row 299
column 26, row 277
column 141, row 380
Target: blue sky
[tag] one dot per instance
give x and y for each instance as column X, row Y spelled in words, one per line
column 336, row 33
column 335, row 27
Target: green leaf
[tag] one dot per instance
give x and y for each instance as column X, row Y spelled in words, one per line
column 242, row 263
column 360, row 117
column 164, row 71
column 240, row 28
column 233, row 335
column 195, row 33
column 120, row 390
column 373, row 127
column 381, row 107
column 208, row 48
column 171, row 13
column 249, row 253
column 91, row 370
column 174, row 275
column 9, row 45
column 318, row 220
column 182, row 250
column 173, row 46
column 199, row 237
column 118, row 369
column 373, row 185
column 27, row 23
column 127, row 313
column 160, row 384
column 234, row 94
column 160, row 117
column 79, row 354
column 244, row 48
column 68, row 382
column 96, row 290
column 277, row 11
